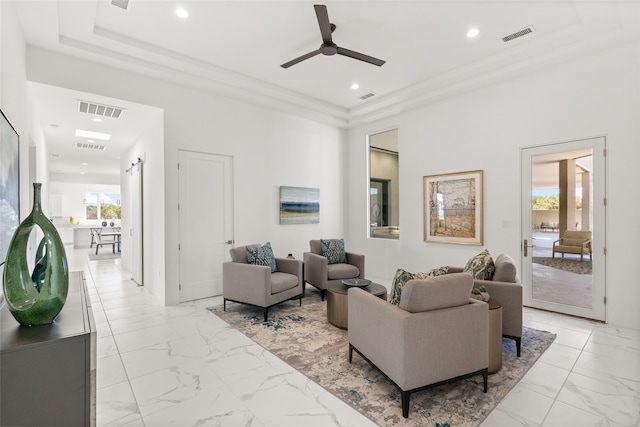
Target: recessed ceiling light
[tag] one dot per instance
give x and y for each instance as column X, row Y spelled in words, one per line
column 473, row 32
column 89, row 134
column 53, row 125
column 355, row 86
column 182, row 13
column 81, row 173
column 85, row 164
column 97, row 119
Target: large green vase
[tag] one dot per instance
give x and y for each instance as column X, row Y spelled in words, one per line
column 36, row 299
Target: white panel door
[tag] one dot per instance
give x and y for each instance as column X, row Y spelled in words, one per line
column 205, row 221
column 554, row 282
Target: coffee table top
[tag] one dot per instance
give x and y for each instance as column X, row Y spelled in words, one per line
column 374, row 289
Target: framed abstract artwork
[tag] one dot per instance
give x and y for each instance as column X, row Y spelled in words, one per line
column 9, row 184
column 299, row 205
column 453, row 208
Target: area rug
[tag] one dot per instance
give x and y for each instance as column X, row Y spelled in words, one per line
column 302, row 337
column 573, row 266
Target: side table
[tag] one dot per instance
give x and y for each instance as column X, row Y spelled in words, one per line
column 338, row 302
column 495, row 336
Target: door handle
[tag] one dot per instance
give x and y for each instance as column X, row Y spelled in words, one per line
column 526, row 246
column 229, row 242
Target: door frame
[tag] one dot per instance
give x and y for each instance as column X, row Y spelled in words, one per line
column 599, row 285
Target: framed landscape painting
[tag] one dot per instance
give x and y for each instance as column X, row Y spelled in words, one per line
column 9, row 184
column 299, row 205
column 453, row 208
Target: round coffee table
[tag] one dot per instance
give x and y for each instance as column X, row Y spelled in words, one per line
column 338, row 302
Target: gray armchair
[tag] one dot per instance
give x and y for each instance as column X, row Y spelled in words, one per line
column 256, row 285
column 319, row 273
column 506, row 288
column 436, row 335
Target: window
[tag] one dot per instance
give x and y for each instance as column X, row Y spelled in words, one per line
column 102, row 206
column 384, row 201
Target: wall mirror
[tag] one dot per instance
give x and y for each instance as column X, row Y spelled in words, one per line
column 384, row 201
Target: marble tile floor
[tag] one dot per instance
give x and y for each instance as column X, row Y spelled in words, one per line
column 182, row 366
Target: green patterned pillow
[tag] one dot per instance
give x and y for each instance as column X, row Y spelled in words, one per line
column 481, row 266
column 333, row 250
column 262, row 256
column 402, row 277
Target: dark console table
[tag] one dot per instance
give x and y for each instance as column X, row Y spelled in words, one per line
column 48, row 373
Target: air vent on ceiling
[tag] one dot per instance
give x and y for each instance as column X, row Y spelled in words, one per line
column 90, row 146
column 519, row 33
column 122, row 4
column 99, row 109
column 367, row 96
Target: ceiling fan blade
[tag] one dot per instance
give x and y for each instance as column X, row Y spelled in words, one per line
column 323, row 22
column 300, row 58
column 360, row 56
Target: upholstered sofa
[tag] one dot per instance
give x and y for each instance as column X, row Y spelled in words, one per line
column 506, row 288
column 436, row 335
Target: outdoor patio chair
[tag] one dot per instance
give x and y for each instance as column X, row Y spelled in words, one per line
column 574, row 242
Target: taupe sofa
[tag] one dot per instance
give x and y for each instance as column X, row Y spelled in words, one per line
column 319, row 273
column 506, row 288
column 256, row 285
column 436, row 335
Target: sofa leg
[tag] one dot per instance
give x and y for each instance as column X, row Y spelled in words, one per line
column 224, row 304
column 266, row 313
column 322, row 292
column 485, row 379
column 518, row 344
column 350, row 353
column 404, row 396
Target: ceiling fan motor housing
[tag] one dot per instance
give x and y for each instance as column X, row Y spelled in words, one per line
column 328, row 49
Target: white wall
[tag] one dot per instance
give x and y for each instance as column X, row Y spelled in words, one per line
column 591, row 96
column 13, row 99
column 269, row 149
column 148, row 148
column 13, row 92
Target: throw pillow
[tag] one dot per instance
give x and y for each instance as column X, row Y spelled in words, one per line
column 333, row 250
column 402, row 277
column 481, row 266
column 262, row 255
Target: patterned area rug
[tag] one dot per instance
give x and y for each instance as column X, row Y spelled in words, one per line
column 573, row 266
column 304, row 339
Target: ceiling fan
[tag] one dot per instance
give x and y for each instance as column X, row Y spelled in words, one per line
column 328, row 47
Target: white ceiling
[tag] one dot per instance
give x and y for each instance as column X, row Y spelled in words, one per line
column 236, row 47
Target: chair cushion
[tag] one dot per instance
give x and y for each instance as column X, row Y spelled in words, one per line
column 402, row 277
column 333, row 250
column 281, row 282
column 434, row 293
column 342, row 271
column 505, row 269
column 481, row 266
column 262, row 255
column 572, row 242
